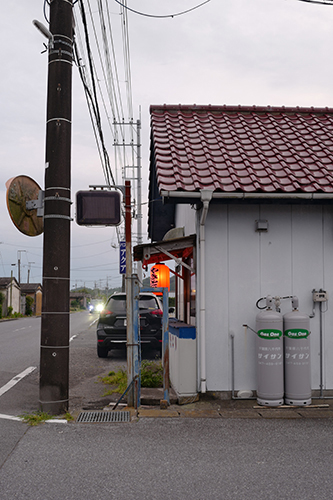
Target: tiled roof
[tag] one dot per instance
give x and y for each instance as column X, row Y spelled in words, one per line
column 4, row 281
column 244, row 149
column 30, row 287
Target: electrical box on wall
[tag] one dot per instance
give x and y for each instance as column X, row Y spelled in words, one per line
column 319, row 296
column 261, row 225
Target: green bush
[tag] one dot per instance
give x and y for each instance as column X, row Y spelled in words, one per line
column 172, row 301
column 28, row 305
column 151, row 373
column 151, row 376
column 10, row 311
column 75, row 304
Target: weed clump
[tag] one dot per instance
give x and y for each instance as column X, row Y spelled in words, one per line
column 151, row 376
column 35, row 418
column 118, row 381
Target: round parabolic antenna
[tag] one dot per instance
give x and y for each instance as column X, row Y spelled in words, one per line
column 20, row 190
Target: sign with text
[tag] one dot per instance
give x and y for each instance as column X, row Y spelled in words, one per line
column 122, row 257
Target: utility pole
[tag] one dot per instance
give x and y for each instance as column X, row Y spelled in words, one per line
column 29, row 268
column 19, row 265
column 11, row 288
column 54, row 360
column 139, row 194
column 136, row 177
column 129, row 292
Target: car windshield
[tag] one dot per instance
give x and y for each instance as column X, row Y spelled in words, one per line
column 117, row 304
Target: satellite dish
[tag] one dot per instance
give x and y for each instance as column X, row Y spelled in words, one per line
column 20, row 190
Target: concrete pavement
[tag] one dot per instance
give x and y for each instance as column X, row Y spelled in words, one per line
column 210, row 406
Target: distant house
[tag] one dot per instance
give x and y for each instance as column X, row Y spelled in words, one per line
column 10, row 288
column 33, row 290
column 250, row 189
column 80, row 298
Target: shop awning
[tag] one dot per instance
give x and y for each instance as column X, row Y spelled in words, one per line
column 177, row 249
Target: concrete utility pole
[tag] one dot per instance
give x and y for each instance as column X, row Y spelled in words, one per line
column 54, row 361
column 19, row 265
column 129, row 292
column 29, row 269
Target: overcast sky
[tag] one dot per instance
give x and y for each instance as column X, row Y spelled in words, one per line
column 250, row 52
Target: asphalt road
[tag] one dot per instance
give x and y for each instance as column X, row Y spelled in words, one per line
column 162, row 459
column 19, row 352
column 148, row 459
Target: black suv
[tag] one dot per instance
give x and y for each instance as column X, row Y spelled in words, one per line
column 111, row 327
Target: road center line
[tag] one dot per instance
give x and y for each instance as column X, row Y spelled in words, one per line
column 16, row 379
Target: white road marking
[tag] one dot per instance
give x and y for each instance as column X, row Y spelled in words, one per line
column 16, row 379
column 19, row 419
column 10, row 417
column 56, row 421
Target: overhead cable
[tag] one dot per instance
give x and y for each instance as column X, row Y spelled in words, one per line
column 323, row 2
column 165, row 16
column 93, row 97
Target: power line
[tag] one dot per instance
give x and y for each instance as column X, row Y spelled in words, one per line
column 96, row 88
column 110, row 75
column 93, row 97
column 165, row 16
column 323, row 2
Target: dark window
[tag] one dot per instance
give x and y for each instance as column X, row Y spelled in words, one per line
column 148, row 303
column 117, row 304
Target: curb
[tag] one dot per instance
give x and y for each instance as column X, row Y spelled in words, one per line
column 254, row 412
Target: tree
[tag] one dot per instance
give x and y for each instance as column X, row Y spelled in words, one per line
column 28, row 305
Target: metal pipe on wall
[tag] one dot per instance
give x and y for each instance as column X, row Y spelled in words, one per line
column 206, row 196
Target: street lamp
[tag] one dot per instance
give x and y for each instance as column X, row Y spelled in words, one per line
column 43, row 29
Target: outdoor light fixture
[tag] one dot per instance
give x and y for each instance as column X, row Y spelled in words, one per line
column 43, row 29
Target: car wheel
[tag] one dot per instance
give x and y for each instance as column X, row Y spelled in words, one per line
column 102, row 352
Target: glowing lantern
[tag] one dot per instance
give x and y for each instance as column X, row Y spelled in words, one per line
column 160, row 277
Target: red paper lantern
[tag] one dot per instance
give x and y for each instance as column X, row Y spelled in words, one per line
column 160, row 276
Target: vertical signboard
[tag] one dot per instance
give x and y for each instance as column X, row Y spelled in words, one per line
column 122, row 257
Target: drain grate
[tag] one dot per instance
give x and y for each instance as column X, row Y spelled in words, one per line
column 103, row 416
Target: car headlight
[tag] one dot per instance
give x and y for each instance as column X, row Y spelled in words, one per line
column 99, row 307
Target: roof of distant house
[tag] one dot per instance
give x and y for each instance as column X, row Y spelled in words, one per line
column 5, row 282
column 242, row 148
column 30, row 287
